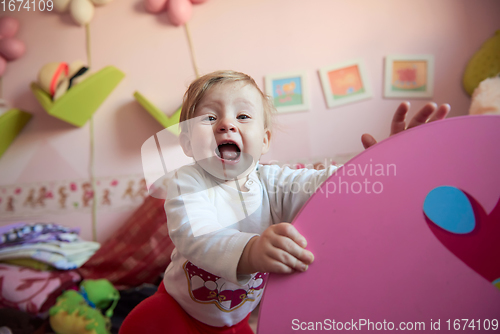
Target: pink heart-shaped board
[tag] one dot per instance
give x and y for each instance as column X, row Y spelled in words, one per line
column 376, row 257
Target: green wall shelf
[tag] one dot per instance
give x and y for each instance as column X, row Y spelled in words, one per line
column 11, row 123
column 81, row 101
column 163, row 119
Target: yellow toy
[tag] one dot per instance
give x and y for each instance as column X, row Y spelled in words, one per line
column 72, row 315
column 485, row 63
column 80, row 312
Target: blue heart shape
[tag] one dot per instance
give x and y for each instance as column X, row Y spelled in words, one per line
column 449, row 208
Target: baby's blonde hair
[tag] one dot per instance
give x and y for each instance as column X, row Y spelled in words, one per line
column 200, row 86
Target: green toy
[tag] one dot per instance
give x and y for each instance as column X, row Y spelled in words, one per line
column 72, row 315
column 80, row 312
column 485, row 63
column 101, row 294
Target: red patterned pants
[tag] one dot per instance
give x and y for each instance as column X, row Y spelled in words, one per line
column 160, row 314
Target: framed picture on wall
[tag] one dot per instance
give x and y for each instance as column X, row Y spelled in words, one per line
column 410, row 76
column 288, row 91
column 345, row 82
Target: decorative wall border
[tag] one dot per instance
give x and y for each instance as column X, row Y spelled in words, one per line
column 69, row 196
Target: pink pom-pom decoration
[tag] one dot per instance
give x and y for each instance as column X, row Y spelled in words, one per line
column 179, row 11
column 11, row 48
column 155, row 6
column 3, row 65
column 8, row 27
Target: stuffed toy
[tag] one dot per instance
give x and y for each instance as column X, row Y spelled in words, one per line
column 485, row 63
column 57, row 77
column 101, row 294
column 486, row 98
column 80, row 312
column 72, row 315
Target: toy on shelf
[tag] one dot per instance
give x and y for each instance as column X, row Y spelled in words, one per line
column 80, row 102
column 11, row 124
column 485, row 63
column 80, row 312
column 56, row 78
column 163, row 119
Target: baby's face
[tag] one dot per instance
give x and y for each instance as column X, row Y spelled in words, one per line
column 227, row 135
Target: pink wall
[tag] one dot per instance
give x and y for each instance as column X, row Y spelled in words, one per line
column 254, row 36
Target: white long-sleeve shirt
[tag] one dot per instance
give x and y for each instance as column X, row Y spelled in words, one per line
column 210, row 224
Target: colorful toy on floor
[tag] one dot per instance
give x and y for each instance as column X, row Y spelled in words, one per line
column 80, row 312
column 406, row 235
column 72, row 315
column 101, row 294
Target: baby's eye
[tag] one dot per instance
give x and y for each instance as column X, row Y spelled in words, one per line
column 209, row 118
column 243, row 117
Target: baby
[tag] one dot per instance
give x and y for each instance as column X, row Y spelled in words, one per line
column 228, row 216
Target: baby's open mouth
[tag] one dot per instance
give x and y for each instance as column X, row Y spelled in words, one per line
column 228, row 151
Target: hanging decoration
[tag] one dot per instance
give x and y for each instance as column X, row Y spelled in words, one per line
column 178, row 11
column 81, row 11
column 10, row 47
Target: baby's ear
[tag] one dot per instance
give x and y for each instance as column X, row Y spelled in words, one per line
column 266, row 144
column 186, row 144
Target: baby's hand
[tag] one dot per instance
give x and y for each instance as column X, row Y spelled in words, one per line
column 429, row 113
column 280, row 249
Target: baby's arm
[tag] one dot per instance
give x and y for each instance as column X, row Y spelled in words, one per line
column 280, row 249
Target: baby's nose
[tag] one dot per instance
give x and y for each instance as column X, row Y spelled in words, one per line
column 226, row 125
